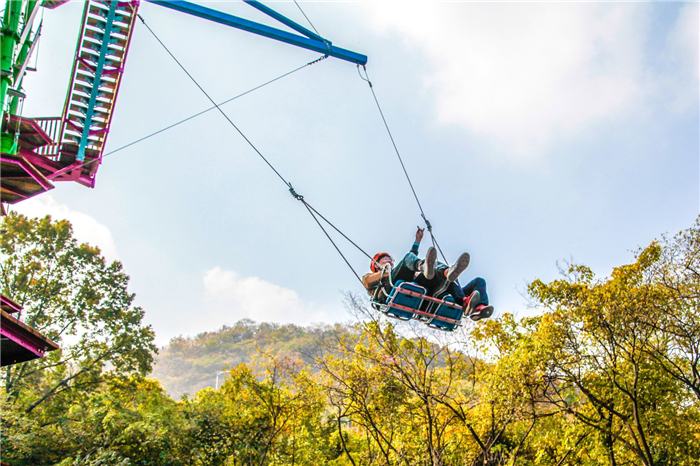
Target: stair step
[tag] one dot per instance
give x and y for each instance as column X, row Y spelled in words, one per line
column 91, row 53
column 82, row 108
column 84, row 102
column 95, row 17
column 103, row 84
column 98, row 25
column 91, row 60
column 98, row 37
column 93, row 36
column 95, row 84
column 88, row 90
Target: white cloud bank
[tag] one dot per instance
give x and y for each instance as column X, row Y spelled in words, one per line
column 85, row 228
column 236, row 297
column 522, row 74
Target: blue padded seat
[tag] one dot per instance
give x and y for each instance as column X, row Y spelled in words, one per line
column 448, row 312
column 401, row 299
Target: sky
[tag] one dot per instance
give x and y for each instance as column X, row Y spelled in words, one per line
column 534, row 133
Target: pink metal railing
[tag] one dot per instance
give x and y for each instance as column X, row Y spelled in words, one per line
column 52, row 127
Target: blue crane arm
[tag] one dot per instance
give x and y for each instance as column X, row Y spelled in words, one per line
column 311, row 41
column 284, row 20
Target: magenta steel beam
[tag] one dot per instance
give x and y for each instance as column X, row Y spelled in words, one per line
column 26, row 337
column 8, row 305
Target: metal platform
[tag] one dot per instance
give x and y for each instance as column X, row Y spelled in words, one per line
column 19, row 342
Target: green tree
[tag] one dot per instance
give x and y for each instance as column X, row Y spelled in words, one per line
column 408, row 400
column 71, row 295
column 266, row 413
column 516, row 417
column 128, row 419
column 598, row 335
column 677, row 273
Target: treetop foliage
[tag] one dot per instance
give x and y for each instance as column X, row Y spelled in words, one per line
column 606, row 372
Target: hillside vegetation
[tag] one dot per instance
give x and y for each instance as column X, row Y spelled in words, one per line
column 189, row 364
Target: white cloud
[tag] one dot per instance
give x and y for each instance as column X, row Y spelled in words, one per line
column 236, row 297
column 522, row 74
column 85, row 228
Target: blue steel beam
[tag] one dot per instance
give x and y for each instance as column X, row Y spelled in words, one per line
column 266, row 31
column 104, row 48
column 284, row 20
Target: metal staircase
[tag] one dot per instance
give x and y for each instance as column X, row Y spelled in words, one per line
column 100, row 56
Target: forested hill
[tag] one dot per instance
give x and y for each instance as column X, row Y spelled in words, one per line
column 188, row 364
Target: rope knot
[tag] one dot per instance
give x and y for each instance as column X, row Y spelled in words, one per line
column 318, row 60
column 294, row 194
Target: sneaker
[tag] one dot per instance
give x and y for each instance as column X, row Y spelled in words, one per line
column 469, row 304
column 428, row 265
column 460, row 266
column 482, row 311
column 485, row 310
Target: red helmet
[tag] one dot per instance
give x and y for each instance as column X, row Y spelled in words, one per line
column 375, row 260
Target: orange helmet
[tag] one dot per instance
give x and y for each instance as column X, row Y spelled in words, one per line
column 375, row 260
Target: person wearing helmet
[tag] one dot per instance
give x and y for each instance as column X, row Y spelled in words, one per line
column 428, row 273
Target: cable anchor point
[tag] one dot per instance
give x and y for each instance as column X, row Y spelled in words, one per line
column 363, row 77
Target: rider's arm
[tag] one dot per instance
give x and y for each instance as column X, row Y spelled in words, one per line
column 416, row 243
column 371, row 280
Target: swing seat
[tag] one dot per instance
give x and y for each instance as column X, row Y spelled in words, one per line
column 408, row 300
column 405, row 298
column 447, row 316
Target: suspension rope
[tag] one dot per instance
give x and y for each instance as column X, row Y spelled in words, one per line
column 309, row 208
column 398, row 154
column 328, row 44
column 307, row 18
column 298, row 197
column 213, row 102
column 313, row 213
column 341, row 233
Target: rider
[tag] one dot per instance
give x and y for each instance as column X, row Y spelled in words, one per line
column 428, row 273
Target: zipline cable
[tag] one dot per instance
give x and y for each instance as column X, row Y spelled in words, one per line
column 300, row 198
column 398, row 154
column 90, row 162
column 212, row 108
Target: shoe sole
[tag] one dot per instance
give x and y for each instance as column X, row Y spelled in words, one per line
column 484, row 314
column 460, row 266
column 430, row 259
